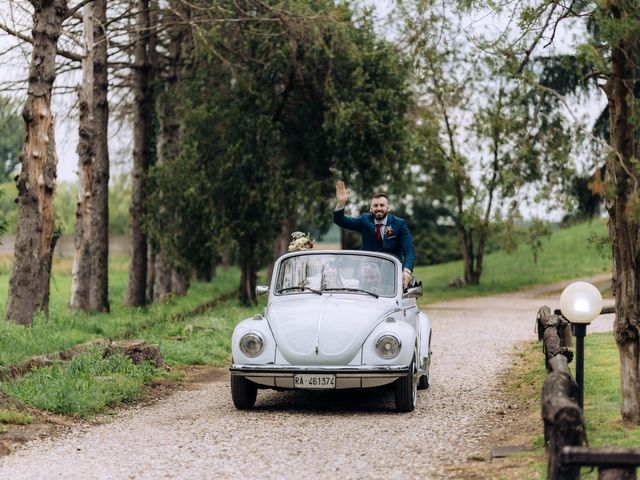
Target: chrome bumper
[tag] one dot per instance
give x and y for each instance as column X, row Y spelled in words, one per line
column 281, row 376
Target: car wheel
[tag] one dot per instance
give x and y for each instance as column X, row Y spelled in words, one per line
column 243, row 392
column 407, row 389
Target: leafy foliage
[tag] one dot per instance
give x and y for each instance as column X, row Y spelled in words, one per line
column 507, row 147
column 268, row 126
column 11, row 137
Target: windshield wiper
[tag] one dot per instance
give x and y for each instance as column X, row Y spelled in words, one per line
column 347, row 289
column 299, row 288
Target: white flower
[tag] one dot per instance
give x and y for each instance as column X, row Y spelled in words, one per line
column 301, row 241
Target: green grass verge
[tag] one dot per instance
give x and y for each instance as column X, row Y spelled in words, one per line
column 86, row 385
column 14, row 418
column 201, row 340
column 569, row 253
column 64, row 328
column 89, row 383
column 603, row 422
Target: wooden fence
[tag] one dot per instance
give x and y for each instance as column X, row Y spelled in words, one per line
column 564, row 430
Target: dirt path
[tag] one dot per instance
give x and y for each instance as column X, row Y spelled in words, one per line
column 197, row 434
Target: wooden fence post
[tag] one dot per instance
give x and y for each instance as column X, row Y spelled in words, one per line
column 562, row 416
column 612, row 463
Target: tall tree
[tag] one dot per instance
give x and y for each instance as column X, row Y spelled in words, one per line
column 99, row 279
column 170, row 275
column 81, row 269
column 609, row 55
column 89, row 288
column 142, row 152
column 268, row 123
column 35, row 239
column 620, row 23
column 490, row 148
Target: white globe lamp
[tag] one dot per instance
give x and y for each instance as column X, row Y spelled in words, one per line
column 581, row 302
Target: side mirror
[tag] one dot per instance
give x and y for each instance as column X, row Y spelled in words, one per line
column 262, row 289
column 413, row 292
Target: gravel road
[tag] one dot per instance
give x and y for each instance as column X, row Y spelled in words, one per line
column 196, row 433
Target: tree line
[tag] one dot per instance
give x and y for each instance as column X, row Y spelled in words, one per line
column 244, row 113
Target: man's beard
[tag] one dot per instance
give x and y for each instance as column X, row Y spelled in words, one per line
column 379, row 215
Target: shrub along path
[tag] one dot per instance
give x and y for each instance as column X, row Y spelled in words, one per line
column 197, row 433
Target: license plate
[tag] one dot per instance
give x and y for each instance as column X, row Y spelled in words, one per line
column 309, row 380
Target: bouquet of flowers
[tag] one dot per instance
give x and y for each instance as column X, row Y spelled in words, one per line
column 301, row 241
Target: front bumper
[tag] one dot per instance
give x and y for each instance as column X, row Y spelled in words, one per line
column 282, row 376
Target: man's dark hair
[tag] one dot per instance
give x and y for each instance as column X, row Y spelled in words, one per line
column 379, row 194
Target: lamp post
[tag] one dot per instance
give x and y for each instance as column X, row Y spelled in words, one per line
column 580, row 303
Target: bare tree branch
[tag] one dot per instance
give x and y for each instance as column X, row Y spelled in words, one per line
column 63, row 53
column 73, row 10
column 535, row 42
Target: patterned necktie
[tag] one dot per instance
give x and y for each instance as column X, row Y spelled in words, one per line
column 379, row 231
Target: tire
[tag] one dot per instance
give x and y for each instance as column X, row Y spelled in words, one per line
column 243, row 392
column 407, row 390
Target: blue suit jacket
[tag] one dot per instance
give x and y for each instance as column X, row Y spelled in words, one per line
column 398, row 242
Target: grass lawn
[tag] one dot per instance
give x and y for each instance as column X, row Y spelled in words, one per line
column 157, row 323
column 603, row 423
column 89, row 383
column 205, row 338
column 569, row 253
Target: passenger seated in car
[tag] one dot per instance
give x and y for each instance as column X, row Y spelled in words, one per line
column 330, row 277
column 327, row 278
column 371, row 278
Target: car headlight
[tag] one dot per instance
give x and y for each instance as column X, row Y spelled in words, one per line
column 251, row 344
column 388, row 346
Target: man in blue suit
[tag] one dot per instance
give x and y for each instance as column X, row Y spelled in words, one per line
column 381, row 232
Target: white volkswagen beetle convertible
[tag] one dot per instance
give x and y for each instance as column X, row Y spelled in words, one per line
column 334, row 320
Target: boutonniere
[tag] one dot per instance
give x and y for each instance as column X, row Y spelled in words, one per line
column 388, row 231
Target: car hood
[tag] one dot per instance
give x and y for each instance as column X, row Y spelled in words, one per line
column 324, row 330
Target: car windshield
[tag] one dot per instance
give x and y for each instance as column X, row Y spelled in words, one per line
column 341, row 273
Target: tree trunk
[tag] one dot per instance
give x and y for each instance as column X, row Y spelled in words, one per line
column 482, row 242
column 81, row 270
column 207, row 272
column 99, row 285
column 162, row 278
column 142, row 137
column 281, row 242
column 248, row 280
column 225, row 260
column 623, row 226
column 179, row 283
column 29, row 283
column 151, row 272
column 468, row 258
column 169, row 149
